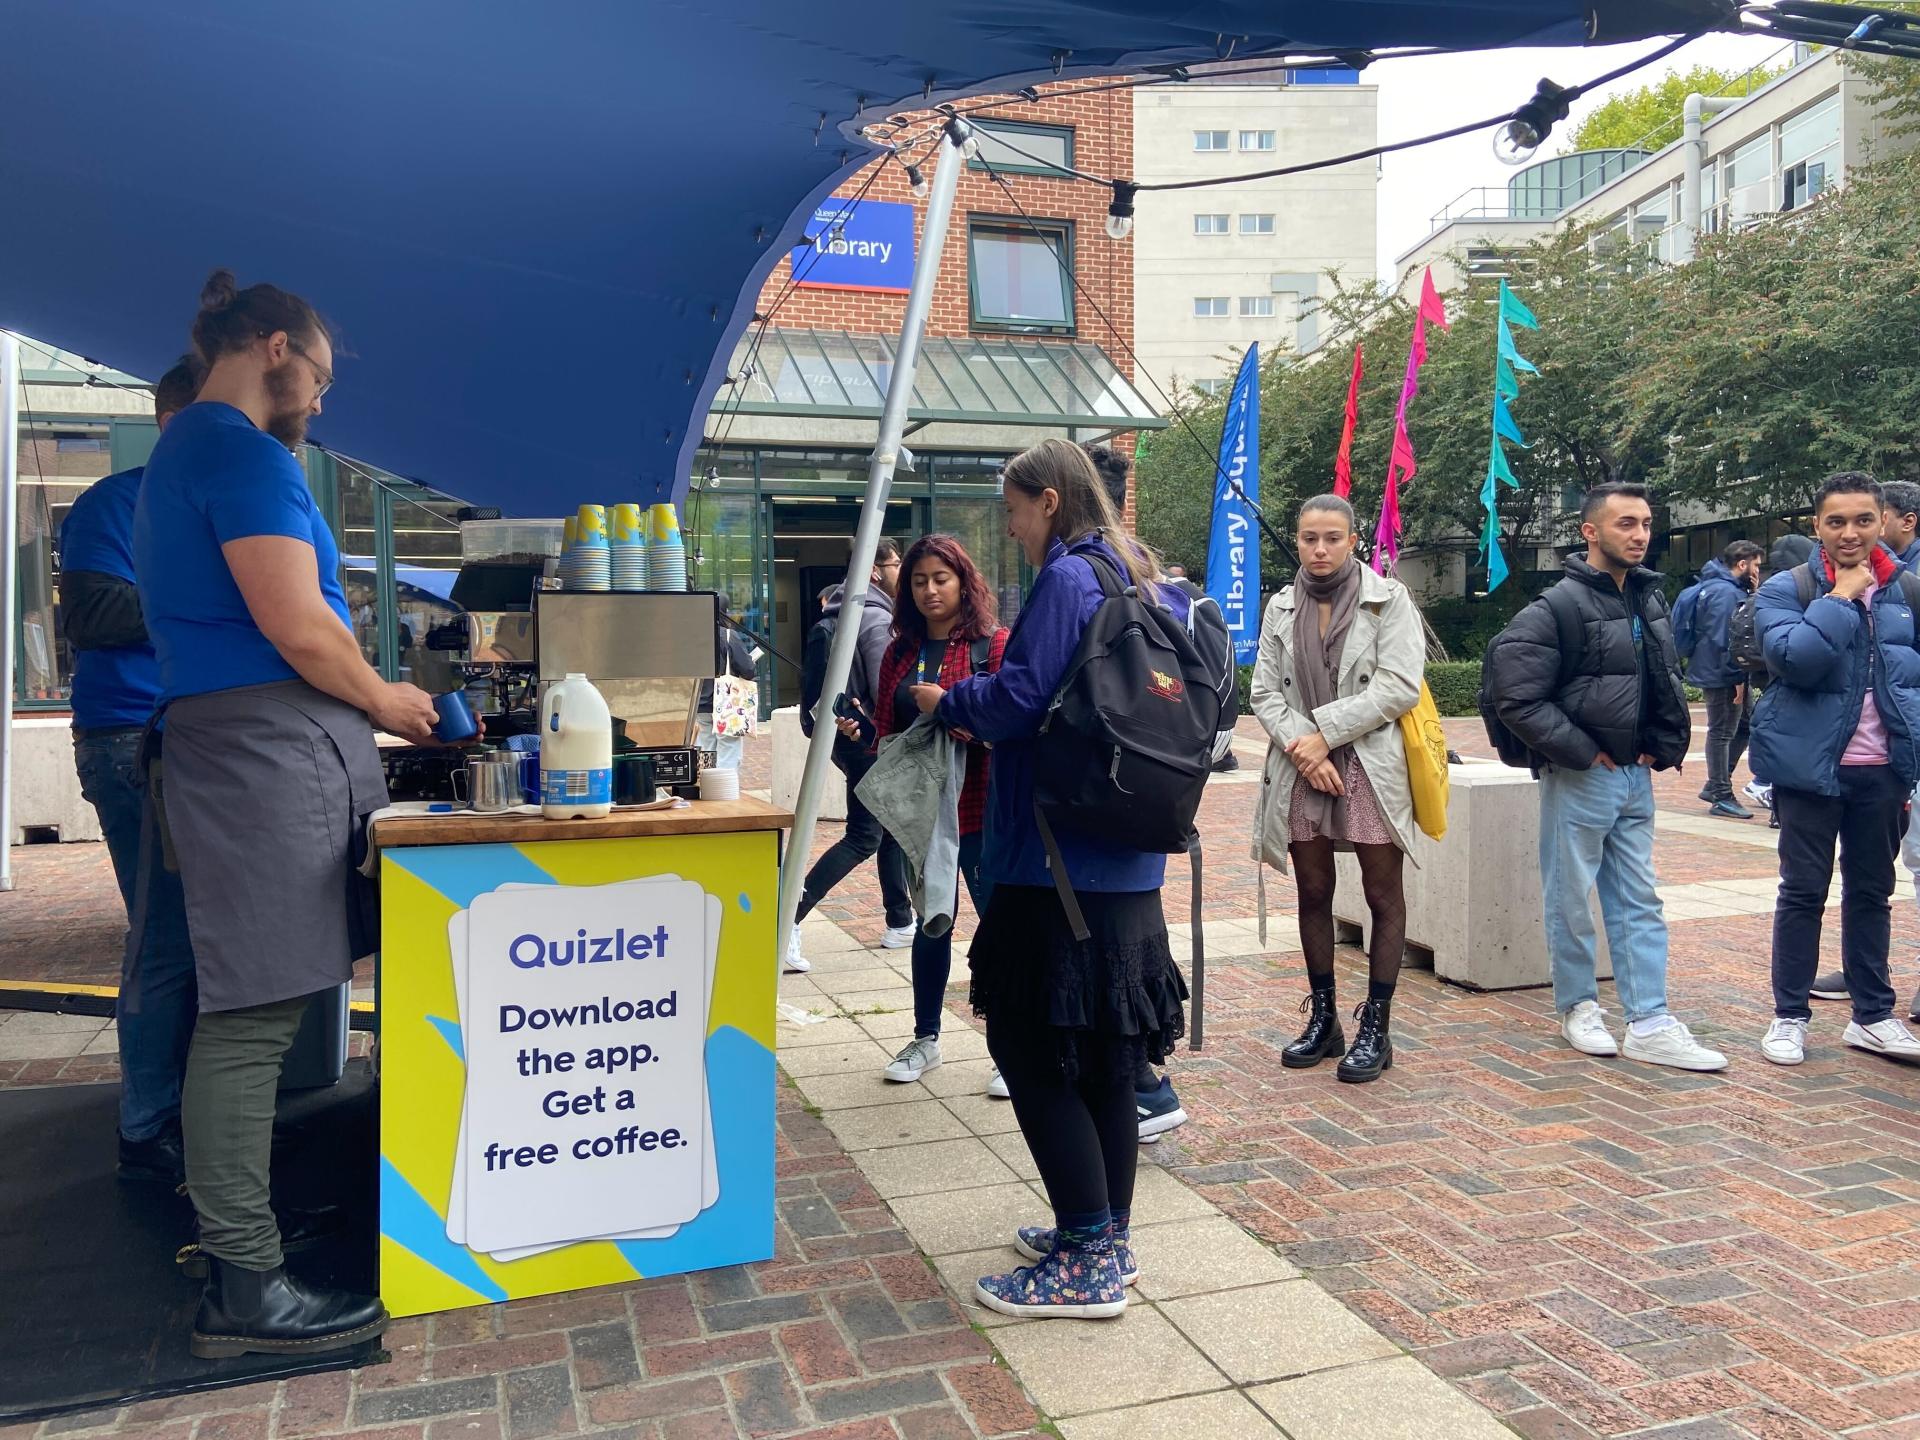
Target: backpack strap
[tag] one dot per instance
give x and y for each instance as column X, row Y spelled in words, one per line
column 1566, row 622
column 1057, row 863
column 1196, row 921
column 980, row 651
column 1104, row 571
column 1910, row 590
column 1803, row 583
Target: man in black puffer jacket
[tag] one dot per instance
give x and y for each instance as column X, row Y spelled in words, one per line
column 1588, row 678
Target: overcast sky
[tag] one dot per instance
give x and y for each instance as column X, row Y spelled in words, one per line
column 1437, row 93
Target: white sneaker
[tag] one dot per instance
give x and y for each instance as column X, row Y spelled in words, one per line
column 1674, row 1045
column 916, row 1057
column 997, row 1087
column 796, row 963
column 1884, row 1037
column 898, row 937
column 1761, row 795
column 1785, row 1042
column 1585, row 1027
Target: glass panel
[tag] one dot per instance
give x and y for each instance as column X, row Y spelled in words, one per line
column 1810, row 132
column 1210, row 140
column 1019, row 277
column 1256, row 139
column 1256, row 306
column 967, row 506
column 57, row 463
column 1046, row 147
column 1750, row 164
column 720, row 530
column 1209, row 224
column 1256, row 224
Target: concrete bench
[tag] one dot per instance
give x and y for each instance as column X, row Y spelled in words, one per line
column 1473, row 902
column 790, row 760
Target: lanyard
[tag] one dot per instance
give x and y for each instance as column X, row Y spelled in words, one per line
column 920, row 668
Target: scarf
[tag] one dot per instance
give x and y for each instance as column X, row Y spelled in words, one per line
column 1880, row 560
column 1316, row 671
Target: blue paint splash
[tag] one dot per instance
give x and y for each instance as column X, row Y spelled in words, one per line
column 746, row 903
column 410, row 1222
column 450, row 1032
column 463, row 872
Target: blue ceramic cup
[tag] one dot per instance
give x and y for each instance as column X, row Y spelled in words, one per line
column 456, row 717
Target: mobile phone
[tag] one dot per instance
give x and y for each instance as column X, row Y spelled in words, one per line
column 844, row 707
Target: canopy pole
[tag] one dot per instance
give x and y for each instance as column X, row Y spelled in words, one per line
column 873, row 514
column 10, row 381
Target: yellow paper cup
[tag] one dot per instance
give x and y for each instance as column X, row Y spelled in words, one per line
column 570, row 531
column 626, row 524
column 591, row 524
column 663, row 525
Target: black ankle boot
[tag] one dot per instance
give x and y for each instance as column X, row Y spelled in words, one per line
column 268, row 1312
column 1322, row 1037
column 1372, row 1049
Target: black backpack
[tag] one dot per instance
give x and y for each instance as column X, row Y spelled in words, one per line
column 1743, row 634
column 1511, row 749
column 1126, row 745
column 1208, row 627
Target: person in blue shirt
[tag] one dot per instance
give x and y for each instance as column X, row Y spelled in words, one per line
column 116, row 684
column 1069, row 1022
column 267, row 776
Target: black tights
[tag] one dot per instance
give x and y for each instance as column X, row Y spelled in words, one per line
column 1084, row 1134
column 1380, row 869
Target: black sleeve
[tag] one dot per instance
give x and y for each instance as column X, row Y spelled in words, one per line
column 1524, row 680
column 100, row 611
column 813, row 674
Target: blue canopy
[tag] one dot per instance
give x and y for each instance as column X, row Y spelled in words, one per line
column 539, row 228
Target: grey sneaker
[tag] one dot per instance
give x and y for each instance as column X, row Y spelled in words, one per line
column 1830, row 986
column 916, row 1057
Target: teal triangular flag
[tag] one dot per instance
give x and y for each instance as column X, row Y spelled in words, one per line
column 1503, row 422
column 1496, row 567
column 1512, row 308
column 1497, row 467
column 1508, row 351
column 1505, row 382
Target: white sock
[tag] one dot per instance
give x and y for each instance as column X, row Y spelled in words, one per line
column 1652, row 1025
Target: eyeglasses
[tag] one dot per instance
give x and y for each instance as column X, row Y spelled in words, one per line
column 322, row 375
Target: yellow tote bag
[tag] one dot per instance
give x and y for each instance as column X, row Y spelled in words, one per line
column 1426, row 745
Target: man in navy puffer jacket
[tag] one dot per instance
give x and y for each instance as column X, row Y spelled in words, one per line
column 1724, row 584
column 1838, row 733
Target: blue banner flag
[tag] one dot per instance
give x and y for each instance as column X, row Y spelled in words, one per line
column 1233, row 545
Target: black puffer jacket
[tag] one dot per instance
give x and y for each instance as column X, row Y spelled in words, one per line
column 1597, row 708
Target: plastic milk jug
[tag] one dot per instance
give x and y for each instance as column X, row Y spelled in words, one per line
column 576, row 751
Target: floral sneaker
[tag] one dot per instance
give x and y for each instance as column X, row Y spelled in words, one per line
column 1036, row 1243
column 1068, row 1284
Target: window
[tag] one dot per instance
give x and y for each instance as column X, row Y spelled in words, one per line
column 1210, row 140
column 1209, row 224
column 1256, row 139
column 1749, row 171
column 1210, row 307
column 1020, row 280
column 1809, row 153
column 1256, row 224
column 1210, row 388
column 1256, row 307
column 1023, row 149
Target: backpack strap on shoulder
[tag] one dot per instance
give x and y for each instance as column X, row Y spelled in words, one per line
column 980, row 651
column 1803, row 583
column 1104, row 572
column 1566, row 622
column 1910, row 590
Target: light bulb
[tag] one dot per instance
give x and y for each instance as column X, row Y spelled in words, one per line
column 1119, row 226
column 970, row 147
column 960, row 133
column 1120, row 212
column 1516, row 142
column 917, row 180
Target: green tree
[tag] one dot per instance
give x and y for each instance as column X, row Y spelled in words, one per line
column 1649, row 116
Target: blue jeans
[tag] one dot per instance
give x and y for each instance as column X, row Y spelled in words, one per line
column 933, row 959
column 159, row 996
column 1597, row 826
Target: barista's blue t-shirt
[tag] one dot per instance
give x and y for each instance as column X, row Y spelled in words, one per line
column 214, row 477
column 118, row 686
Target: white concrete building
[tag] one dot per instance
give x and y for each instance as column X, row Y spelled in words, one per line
column 1216, row 268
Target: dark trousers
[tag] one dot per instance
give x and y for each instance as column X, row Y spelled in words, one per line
column 933, row 959
column 862, row 839
column 159, row 995
column 1726, row 738
column 1867, row 818
column 1084, row 1133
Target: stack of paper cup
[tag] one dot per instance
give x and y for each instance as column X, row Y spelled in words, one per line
column 587, row 564
column 628, row 545
column 719, row 784
column 666, row 552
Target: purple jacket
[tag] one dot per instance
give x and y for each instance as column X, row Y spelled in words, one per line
column 1005, row 709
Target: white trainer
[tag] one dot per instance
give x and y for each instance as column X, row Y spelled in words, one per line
column 1585, row 1027
column 997, row 1086
column 898, row 937
column 1884, row 1037
column 916, row 1057
column 1673, row 1045
column 796, row 963
column 1785, row 1042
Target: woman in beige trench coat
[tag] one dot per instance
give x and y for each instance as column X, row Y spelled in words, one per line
column 1342, row 651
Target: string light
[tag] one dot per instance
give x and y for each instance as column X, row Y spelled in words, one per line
column 1515, row 142
column 1120, row 212
column 917, row 181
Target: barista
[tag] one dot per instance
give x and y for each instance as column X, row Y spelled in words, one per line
column 269, row 772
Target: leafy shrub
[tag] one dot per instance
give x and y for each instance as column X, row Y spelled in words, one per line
column 1455, row 685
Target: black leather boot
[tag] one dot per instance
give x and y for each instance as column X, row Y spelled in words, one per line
column 268, row 1312
column 158, row 1159
column 1322, row 1037
column 1372, row 1049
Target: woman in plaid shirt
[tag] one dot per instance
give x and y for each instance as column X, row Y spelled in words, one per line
column 950, row 630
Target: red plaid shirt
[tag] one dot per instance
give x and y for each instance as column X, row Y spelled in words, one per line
column 957, row 666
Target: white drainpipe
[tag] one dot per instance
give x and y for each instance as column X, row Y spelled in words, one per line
column 1693, row 151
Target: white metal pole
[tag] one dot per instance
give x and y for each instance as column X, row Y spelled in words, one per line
column 10, row 382
column 873, row 512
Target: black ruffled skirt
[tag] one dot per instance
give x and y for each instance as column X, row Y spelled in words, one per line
column 1109, row 1002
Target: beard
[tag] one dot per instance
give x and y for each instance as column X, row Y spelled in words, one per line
column 1616, row 554
column 287, row 421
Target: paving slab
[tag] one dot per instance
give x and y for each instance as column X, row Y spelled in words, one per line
column 1224, row 1415
column 973, row 1219
column 1193, row 1257
column 1397, row 1399
column 1073, row 1366
column 878, row 1126
column 935, row 1166
column 982, row 1114
column 1272, row 1331
column 857, row 1057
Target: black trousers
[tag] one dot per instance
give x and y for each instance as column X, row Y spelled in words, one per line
column 1084, row 1134
column 1726, row 738
column 862, row 839
column 1867, row 817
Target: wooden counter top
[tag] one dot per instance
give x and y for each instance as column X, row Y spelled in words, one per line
column 702, row 817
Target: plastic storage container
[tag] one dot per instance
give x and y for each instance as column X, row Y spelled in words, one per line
column 518, row 541
column 576, row 751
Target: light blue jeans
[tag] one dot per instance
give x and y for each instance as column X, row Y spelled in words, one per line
column 727, row 750
column 1596, row 827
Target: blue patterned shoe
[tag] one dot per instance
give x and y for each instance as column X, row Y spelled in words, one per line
column 1036, row 1243
column 1069, row 1284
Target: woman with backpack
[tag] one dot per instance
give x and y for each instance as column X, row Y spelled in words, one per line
column 947, row 634
column 1342, row 653
column 1069, row 1021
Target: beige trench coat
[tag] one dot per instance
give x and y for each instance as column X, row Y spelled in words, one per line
column 1381, row 668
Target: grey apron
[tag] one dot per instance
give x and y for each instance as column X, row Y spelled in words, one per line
column 266, row 790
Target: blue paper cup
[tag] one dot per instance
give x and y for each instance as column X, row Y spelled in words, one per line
column 456, row 721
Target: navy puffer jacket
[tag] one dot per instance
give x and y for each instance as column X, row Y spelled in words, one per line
column 1710, row 666
column 1822, row 657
